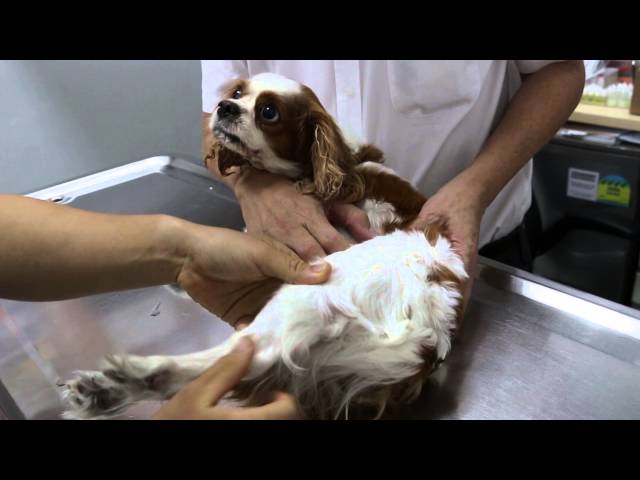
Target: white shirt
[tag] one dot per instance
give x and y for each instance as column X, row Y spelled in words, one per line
column 430, row 118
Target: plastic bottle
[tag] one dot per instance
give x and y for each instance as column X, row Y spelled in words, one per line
column 612, row 97
column 627, row 96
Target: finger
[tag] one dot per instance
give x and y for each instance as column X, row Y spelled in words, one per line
column 316, row 273
column 286, row 265
column 354, row 219
column 282, row 408
column 304, row 245
column 327, row 236
column 272, row 242
column 243, row 321
column 425, row 219
column 468, row 286
column 225, row 374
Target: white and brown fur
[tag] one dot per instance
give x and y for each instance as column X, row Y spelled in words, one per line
column 361, row 342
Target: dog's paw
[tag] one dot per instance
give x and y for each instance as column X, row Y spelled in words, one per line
column 92, row 394
column 123, row 381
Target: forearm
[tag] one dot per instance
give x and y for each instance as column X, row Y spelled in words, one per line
column 50, row 252
column 541, row 106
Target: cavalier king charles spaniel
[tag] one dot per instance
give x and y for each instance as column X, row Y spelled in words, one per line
column 363, row 341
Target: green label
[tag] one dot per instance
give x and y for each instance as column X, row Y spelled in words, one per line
column 614, row 190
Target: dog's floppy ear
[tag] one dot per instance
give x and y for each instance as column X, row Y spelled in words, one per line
column 333, row 162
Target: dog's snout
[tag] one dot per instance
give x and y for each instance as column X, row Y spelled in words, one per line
column 228, row 109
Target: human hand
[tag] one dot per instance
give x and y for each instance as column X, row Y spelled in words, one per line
column 273, row 206
column 199, row 399
column 233, row 274
column 461, row 213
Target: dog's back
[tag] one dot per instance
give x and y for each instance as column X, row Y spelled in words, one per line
column 367, row 336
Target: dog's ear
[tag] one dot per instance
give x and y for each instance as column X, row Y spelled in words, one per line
column 333, row 162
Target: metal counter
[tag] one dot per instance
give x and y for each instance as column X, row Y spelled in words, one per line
column 528, row 349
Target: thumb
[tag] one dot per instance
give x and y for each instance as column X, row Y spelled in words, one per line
column 225, row 374
column 289, row 267
column 283, row 407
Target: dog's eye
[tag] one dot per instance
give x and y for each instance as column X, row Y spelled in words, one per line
column 269, row 114
column 236, row 94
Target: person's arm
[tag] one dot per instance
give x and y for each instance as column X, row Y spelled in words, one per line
column 539, row 108
column 54, row 252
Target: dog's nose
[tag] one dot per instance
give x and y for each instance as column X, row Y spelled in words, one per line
column 228, row 109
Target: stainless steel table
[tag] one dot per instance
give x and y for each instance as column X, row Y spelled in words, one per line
column 529, row 348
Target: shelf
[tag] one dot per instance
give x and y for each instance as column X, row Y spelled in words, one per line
column 605, row 117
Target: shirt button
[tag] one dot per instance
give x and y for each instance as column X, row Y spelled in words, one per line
column 349, row 92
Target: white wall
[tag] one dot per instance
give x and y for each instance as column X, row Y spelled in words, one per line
column 64, row 119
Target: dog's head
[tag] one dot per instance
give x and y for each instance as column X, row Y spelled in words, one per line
column 276, row 124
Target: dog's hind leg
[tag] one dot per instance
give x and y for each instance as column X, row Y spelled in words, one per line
column 127, row 379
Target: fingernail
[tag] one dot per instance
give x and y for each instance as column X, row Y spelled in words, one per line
column 312, row 273
column 244, row 345
column 317, row 267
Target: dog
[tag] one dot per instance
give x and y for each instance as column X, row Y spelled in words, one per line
column 353, row 347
